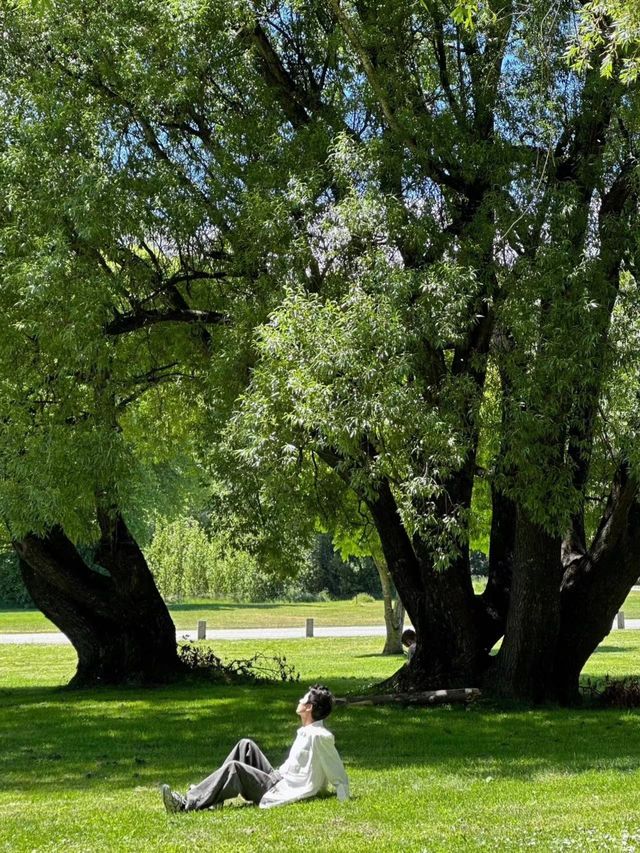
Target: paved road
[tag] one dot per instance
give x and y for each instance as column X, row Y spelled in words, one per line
column 58, row 639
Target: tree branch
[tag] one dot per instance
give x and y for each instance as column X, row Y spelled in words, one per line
column 124, row 323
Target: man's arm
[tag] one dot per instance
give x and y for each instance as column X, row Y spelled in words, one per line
column 333, row 766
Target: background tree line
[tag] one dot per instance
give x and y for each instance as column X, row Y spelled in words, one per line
column 187, row 563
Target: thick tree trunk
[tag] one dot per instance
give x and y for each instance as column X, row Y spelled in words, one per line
column 393, row 611
column 523, row 668
column 448, row 650
column 117, row 622
column 440, row 604
column 595, row 585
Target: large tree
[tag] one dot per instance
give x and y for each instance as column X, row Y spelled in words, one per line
column 86, row 266
column 406, row 200
column 488, row 217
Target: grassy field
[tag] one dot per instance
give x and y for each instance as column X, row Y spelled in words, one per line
column 226, row 614
column 80, row 770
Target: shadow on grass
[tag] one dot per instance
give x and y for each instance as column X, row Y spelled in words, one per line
column 605, row 648
column 179, row 607
column 262, row 606
column 399, row 656
column 57, row 741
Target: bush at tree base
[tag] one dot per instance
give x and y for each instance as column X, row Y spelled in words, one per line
column 613, row 692
column 259, row 668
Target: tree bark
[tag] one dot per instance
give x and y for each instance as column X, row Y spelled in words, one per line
column 595, row 586
column 117, row 621
column 440, row 604
column 393, row 611
column 523, row 668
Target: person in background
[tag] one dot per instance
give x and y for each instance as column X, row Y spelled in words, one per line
column 313, row 764
column 409, row 642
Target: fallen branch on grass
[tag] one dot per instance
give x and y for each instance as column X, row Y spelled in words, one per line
column 428, row 697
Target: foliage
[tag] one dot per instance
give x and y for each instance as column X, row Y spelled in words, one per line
column 614, row 692
column 479, row 564
column 608, row 33
column 12, row 589
column 179, row 556
column 188, row 562
column 328, row 570
column 332, row 372
column 257, row 669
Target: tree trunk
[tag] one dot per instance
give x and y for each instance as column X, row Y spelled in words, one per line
column 523, row 668
column 393, row 610
column 595, row 586
column 440, row 604
column 117, row 622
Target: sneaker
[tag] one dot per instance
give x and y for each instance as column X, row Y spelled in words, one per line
column 173, row 802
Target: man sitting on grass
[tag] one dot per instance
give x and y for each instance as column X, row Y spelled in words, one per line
column 313, row 763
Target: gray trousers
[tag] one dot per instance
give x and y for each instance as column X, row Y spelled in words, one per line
column 246, row 771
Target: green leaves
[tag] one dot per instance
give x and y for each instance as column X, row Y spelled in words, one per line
column 373, row 231
column 608, row 37
column 463, row 12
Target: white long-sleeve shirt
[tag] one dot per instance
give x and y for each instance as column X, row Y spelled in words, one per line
column 313, row 764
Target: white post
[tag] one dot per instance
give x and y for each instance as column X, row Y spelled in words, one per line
column 620, row 618
column 202, row 629
column 309, row 629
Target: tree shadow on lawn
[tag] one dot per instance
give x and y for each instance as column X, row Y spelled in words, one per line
column 606, row 649
column 56, row 741
column 399, row 656
column 243, row 605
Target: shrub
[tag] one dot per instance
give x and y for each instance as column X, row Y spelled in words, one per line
column 621, row 693
column 362, row 598
column 257, row 669
column 294, row 592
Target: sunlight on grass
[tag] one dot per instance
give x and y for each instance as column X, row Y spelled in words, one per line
column 81, row 769
column 227, row 614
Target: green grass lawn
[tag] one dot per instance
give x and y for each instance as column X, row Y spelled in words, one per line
column 80, row 769
column 227, row 614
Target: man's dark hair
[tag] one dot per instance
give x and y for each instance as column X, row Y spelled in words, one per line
column 321, row 701
column 408, row 637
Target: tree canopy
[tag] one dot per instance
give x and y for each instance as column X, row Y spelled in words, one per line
column 383, row 250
